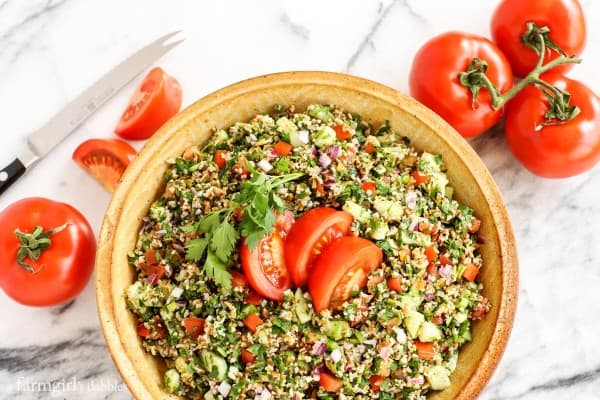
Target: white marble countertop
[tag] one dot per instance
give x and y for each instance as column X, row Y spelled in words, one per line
column 50, row 50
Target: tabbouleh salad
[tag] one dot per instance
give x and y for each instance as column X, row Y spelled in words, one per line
column 395, row 334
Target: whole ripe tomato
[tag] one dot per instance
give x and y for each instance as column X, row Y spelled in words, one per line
column 564, row 18
column 65, row 262
column 558, row 150
column 434, row 80
column 153, row 103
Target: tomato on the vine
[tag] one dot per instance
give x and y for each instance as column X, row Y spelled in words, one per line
column 434, row 80
column 564, row 18
column 47, row 252
column 560, row 149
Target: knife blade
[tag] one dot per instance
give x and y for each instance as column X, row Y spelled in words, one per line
column 42, row 141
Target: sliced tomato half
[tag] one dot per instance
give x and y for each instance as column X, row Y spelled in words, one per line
column 153, row 103
column 342, row 269
column 310, row 235
column 104, row 159
column 264, row 267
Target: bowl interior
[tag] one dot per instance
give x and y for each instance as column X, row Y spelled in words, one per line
column 376, row 103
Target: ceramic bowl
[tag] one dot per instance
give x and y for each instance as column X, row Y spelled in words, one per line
column 143, row 181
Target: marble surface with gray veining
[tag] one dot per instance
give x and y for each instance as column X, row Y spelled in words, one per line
column 50, row 50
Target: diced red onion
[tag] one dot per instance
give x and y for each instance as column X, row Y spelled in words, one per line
column 336, row 355
column 384, row 352
column 334, row 151
column 224, row 388
column 446, row 272
column 429, row 296
column 265, row 165
column 370, row 342
column 480, row 239
column 414, row 224
column 313, row 151
column 182, row 303
column 416, row 380
column 272, row 153
column 264, row 395
column 319, row 348
column 411, row 200
column 324, row 160
column 160, row 233
column 152, row 278
column 303, row 136
column 179, row 248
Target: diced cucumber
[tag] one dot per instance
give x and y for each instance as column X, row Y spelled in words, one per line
column 438, row 377
column 324, row 137
column 172, row 381
column 220, row 136
column 337, row 330
column 289, row 131
column 300, row 307
column 379, row 230
column 320, row 112
column 415, row 238
column 358, row 212
column 412, row 322
column 216, row 366
column 429, row 332
column 388, row 209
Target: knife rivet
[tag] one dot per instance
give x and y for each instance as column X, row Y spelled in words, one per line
column 3, row 176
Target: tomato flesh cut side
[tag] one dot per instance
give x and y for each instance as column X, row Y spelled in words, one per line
column 342, row 269
column 265, row 268
column 156, row 100
column 310, row 235
column 104, row 160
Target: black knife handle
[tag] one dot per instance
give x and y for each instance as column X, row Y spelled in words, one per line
column 10, row 173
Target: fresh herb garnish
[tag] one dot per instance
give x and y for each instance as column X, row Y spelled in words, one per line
column 215, row 247
column 217, row 244
column 259, row 201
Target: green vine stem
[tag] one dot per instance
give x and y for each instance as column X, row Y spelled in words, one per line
column 475, row 78
column 33, row 244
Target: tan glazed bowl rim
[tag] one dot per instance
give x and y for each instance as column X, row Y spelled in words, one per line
column 376, row 103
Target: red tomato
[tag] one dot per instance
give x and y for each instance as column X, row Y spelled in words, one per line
column 193, row 326
column 395, row 284
column 62, row 270
column 284, row 222
column 425, row 350
column 369, row 187
column 445, row 259
column 252, row 321
column 470, row 272
column 143, row 331
column 310, row 235
column 563, row 17
column 248, row 357
column 253, row 298
column 342, row 269
column 376, row 382
column 104, row 159
column 153, row 103
column 369, row 148
column 434, row 80
column 265, row 267
column 238, row 279
column 341, row 133
column 419, row 177
column 431, row 253
column 220, row 158
column 560, row 150
column 329, row 383
column 283, row 148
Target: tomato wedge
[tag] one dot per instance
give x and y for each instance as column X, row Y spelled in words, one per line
column 329, row 383
column 156, row 100
column 310, row 235
column 104, row 159
column 265, row 267
column 342, row 269
column 194, row 326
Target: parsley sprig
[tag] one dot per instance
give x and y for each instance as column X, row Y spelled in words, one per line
column 259, row 202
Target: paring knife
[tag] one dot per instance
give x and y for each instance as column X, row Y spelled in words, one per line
column 66, row 121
